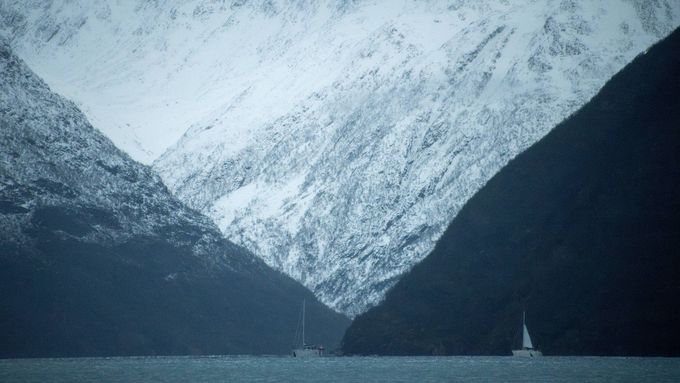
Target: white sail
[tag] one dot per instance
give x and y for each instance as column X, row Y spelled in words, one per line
column 526, row 339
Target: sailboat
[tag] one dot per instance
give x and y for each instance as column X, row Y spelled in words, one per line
column 527, row 349
column 305, row 350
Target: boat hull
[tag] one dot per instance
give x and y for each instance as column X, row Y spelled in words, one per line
column 527, row 353
column 307, row 353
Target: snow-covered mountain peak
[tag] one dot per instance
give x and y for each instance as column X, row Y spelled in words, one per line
column 353, row 185
column 334, row 139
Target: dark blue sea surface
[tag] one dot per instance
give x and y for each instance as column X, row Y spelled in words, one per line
column 340, row 369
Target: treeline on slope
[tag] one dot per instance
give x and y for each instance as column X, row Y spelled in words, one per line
column 98, row 259
column 145, row 297
column 581, row 230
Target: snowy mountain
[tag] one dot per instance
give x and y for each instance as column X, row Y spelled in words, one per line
column 336, row 140
column 98, row 258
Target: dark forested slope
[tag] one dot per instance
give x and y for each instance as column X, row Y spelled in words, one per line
column 582, row 230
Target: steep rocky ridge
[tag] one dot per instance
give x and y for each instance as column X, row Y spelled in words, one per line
column 98, row 258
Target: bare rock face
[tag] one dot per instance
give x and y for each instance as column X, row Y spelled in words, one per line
column 334, row 140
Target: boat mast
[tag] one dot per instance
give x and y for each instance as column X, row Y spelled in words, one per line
column 303, row 323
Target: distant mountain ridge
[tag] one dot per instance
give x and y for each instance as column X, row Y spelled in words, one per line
column 97, row 258
column 334, row 139
column 580, row 230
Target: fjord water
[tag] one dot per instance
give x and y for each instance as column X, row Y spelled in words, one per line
column 341, row 369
